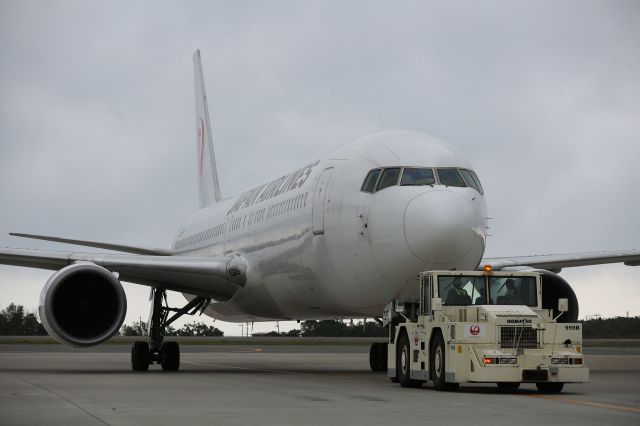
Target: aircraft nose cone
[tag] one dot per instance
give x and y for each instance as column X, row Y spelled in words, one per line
column 440, row 227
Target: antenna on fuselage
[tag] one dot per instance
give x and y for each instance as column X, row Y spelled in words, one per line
column 209, row 188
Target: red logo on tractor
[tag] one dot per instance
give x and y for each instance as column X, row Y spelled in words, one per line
column 474, row 330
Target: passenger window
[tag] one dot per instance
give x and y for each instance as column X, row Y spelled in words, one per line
column 450, row 177
column 468, row 178
column 389, row 178
column 370, row 181
column 414, row 176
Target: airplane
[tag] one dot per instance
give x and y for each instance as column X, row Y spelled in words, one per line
column 337, row 237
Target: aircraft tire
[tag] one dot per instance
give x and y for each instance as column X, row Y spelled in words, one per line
column 378, row 356
column 170, row 356
column 382, row 356
column 373, row 358
column 547, row 387
column 140, row 356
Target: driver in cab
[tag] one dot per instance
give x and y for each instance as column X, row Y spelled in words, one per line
column 457, row 295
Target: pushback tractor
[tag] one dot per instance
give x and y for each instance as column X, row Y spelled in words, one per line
column 481, row 327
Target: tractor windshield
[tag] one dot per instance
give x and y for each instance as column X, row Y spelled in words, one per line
column 461, row 290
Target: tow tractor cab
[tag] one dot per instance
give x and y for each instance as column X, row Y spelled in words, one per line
column 482, row 326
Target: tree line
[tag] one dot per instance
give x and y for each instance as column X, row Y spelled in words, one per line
column 15, row 321
column 333, row 328
column 198, row 329
column 612, row 328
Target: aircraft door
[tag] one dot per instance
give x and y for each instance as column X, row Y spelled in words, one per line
column 319, row 201
column 426, row 293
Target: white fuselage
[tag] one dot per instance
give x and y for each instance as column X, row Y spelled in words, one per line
column 316, row 246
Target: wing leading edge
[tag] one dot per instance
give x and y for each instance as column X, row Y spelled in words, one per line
column 556, row 262
column 215, row 277
column 96, row 244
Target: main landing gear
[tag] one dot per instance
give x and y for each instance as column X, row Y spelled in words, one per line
column 378, row 356
column 156, row 351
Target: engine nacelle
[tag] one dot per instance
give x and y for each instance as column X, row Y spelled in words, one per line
column 554, row 287
column 82, row 305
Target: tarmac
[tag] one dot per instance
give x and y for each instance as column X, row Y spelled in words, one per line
column 287, row 385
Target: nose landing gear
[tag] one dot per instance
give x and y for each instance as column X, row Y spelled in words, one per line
column 167, row 354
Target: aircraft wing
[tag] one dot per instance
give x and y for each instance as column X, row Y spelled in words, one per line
column 96, row 244
column 555, row 262
column 215, row 277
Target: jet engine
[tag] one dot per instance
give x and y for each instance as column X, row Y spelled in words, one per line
column 554, row 287
column 82, row 305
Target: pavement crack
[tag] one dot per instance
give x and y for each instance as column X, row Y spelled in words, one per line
column 68, row 401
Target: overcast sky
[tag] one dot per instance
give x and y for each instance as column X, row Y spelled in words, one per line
column 97, row 134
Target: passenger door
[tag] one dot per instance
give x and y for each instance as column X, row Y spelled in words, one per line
column 319, row 201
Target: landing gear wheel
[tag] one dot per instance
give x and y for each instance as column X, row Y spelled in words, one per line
column 170, row 356
column 373, row 357
column 140, row 356
column 438, row 363
column 547, row 387
column 382, row 356
column 157, row 351
column 403, row 364
column 508, row 387
column 378, row 356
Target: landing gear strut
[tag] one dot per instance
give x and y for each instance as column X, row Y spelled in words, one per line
column 156, row 351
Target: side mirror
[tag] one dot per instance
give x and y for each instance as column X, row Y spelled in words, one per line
column 399, row 308
column 563, row 305
column 436, row 304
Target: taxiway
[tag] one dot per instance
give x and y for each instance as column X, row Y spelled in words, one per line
column 287, row 385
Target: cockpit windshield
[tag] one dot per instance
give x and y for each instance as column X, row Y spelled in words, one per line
column 462, row 290
column 450, row 177
column 389, row 178
column 417, row 176
column 369, row 183
column 381, row 178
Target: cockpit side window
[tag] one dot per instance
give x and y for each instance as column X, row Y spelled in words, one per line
column 417, row 176
column 389, row 178
column 450, row 177
column 469, row 179
column 475, row 178
column 369, row 183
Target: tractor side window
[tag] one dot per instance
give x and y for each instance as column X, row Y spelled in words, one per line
column 369, row 183
column 389, row 178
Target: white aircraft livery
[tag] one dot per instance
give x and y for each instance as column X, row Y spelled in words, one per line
column 338, row 237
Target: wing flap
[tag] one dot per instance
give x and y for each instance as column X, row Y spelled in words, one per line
column 555, row 262
column 215, row 277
